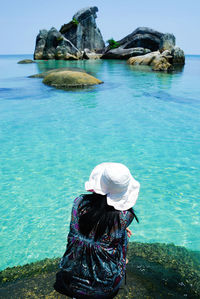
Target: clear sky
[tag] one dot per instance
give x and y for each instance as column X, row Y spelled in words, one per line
column 21, row 20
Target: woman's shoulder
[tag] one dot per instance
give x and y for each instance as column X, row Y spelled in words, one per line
column 80, row 200
column 126, row 217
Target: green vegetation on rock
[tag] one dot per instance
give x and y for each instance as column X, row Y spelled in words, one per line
column 113, row 44
column 75, row 21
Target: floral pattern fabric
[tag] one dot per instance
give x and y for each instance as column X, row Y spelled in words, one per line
column 95, row 268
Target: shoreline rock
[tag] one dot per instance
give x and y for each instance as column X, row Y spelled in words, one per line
column 154, row 270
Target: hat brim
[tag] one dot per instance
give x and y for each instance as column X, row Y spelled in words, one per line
column 94, row 185
column 125, row 200
column 120, row 201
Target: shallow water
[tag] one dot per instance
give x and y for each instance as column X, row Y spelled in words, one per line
column 51, row 139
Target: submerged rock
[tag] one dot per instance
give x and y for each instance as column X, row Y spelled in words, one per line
column 70, row 79
column 25, row 61
column 43, row 74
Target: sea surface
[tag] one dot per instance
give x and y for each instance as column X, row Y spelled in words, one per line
column 51, row 139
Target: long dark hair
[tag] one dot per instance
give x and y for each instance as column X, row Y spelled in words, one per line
column 95, row 213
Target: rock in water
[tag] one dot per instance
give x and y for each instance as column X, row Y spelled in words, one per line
column 44, row 74
column 143, row 59
column 178, row 56
column 160, row 61
column 142, row 37
column 25, row 61
column 141, row 41
column 82, row 31
column 40, row 44
column 69, row 43
column 167, row 42
column 87, row 54
column 52, row 41
column 69, row 79
column 121, row 53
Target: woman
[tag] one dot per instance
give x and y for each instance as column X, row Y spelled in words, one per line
column 94, row 263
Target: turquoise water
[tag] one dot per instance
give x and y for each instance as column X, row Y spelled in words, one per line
column 51, row 139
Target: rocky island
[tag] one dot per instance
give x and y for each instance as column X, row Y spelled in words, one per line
column 81, row 39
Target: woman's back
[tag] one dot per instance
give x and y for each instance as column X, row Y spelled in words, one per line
column 94, row 263
column 102, row 261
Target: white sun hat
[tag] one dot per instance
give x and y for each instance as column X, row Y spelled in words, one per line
column 115, row 181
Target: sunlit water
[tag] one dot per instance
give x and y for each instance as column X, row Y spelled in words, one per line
column 51, row 139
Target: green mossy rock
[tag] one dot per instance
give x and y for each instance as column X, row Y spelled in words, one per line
column 25, row 61
column 70, row 79
column 154, row 271
column 44, row 74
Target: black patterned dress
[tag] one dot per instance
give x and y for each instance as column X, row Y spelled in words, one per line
column 93, row 269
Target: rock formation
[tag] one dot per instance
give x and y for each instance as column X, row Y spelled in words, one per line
column 141, row 41
column 40, row 44
column 73, row 37
column 160, row 61
column 81, row 39
column 82, row 31
column 70, row 79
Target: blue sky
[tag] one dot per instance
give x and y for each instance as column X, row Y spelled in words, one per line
column 20, row 20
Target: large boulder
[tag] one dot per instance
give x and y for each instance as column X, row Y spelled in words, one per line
column 82, row 31
column 66, row 51
column 40, row 44
column 160, row 61
column 52, row 41
column 70, row 79
column 44, row 74
column 178, row 56
column 142, row 37
column 121, row 53
column 73, row 37
column 87, row 54
column 146, row 59
column 141, row 41
column 167, row 42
